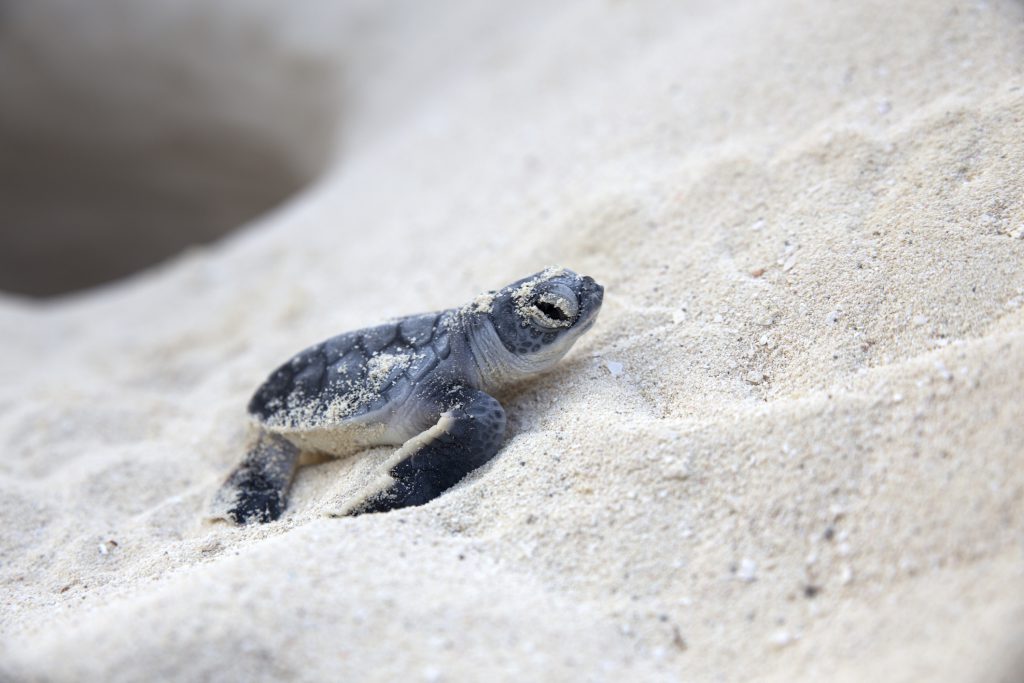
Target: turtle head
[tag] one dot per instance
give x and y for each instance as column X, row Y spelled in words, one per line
column 535, row 321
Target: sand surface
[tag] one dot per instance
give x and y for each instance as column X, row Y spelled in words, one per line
column 791, row 449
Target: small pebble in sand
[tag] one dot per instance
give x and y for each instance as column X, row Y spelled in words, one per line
column 678, row 640
column 614, row 367
column 846, row 575
column 754, row 377
column 747, row 571
column 833, row 317
column 782, row 638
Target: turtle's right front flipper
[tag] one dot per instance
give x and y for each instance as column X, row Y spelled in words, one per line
column 257, row 489
column 466, row 436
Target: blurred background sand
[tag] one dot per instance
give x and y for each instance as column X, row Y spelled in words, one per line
column 791, row 448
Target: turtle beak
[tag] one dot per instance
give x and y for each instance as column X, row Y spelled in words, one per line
column 591, row 297
column 593, row 293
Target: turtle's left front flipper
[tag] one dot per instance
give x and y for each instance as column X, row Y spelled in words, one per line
column 466, row 436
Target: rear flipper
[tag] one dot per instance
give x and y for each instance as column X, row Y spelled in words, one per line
column 256, row 490
column 465, row 437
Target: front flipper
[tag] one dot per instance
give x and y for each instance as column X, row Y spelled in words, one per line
column 465, row 437
column 256, row 490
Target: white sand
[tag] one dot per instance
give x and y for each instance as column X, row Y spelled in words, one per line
column 791, row 448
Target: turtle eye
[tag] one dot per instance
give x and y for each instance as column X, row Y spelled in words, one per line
column 555, row 310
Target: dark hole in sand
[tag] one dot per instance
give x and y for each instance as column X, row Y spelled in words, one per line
column 128, row 134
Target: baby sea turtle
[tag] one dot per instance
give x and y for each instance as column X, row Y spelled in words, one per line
column 423, row 381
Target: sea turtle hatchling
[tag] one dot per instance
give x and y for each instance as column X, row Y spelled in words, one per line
column 423, row 381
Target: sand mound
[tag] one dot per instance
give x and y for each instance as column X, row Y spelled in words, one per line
column 791, row 448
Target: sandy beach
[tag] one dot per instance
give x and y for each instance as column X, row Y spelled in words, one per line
column 791, row 448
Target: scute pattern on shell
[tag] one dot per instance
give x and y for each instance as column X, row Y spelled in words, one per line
column 352, row 374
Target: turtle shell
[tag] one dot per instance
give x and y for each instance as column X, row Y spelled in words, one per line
column 352, row 375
